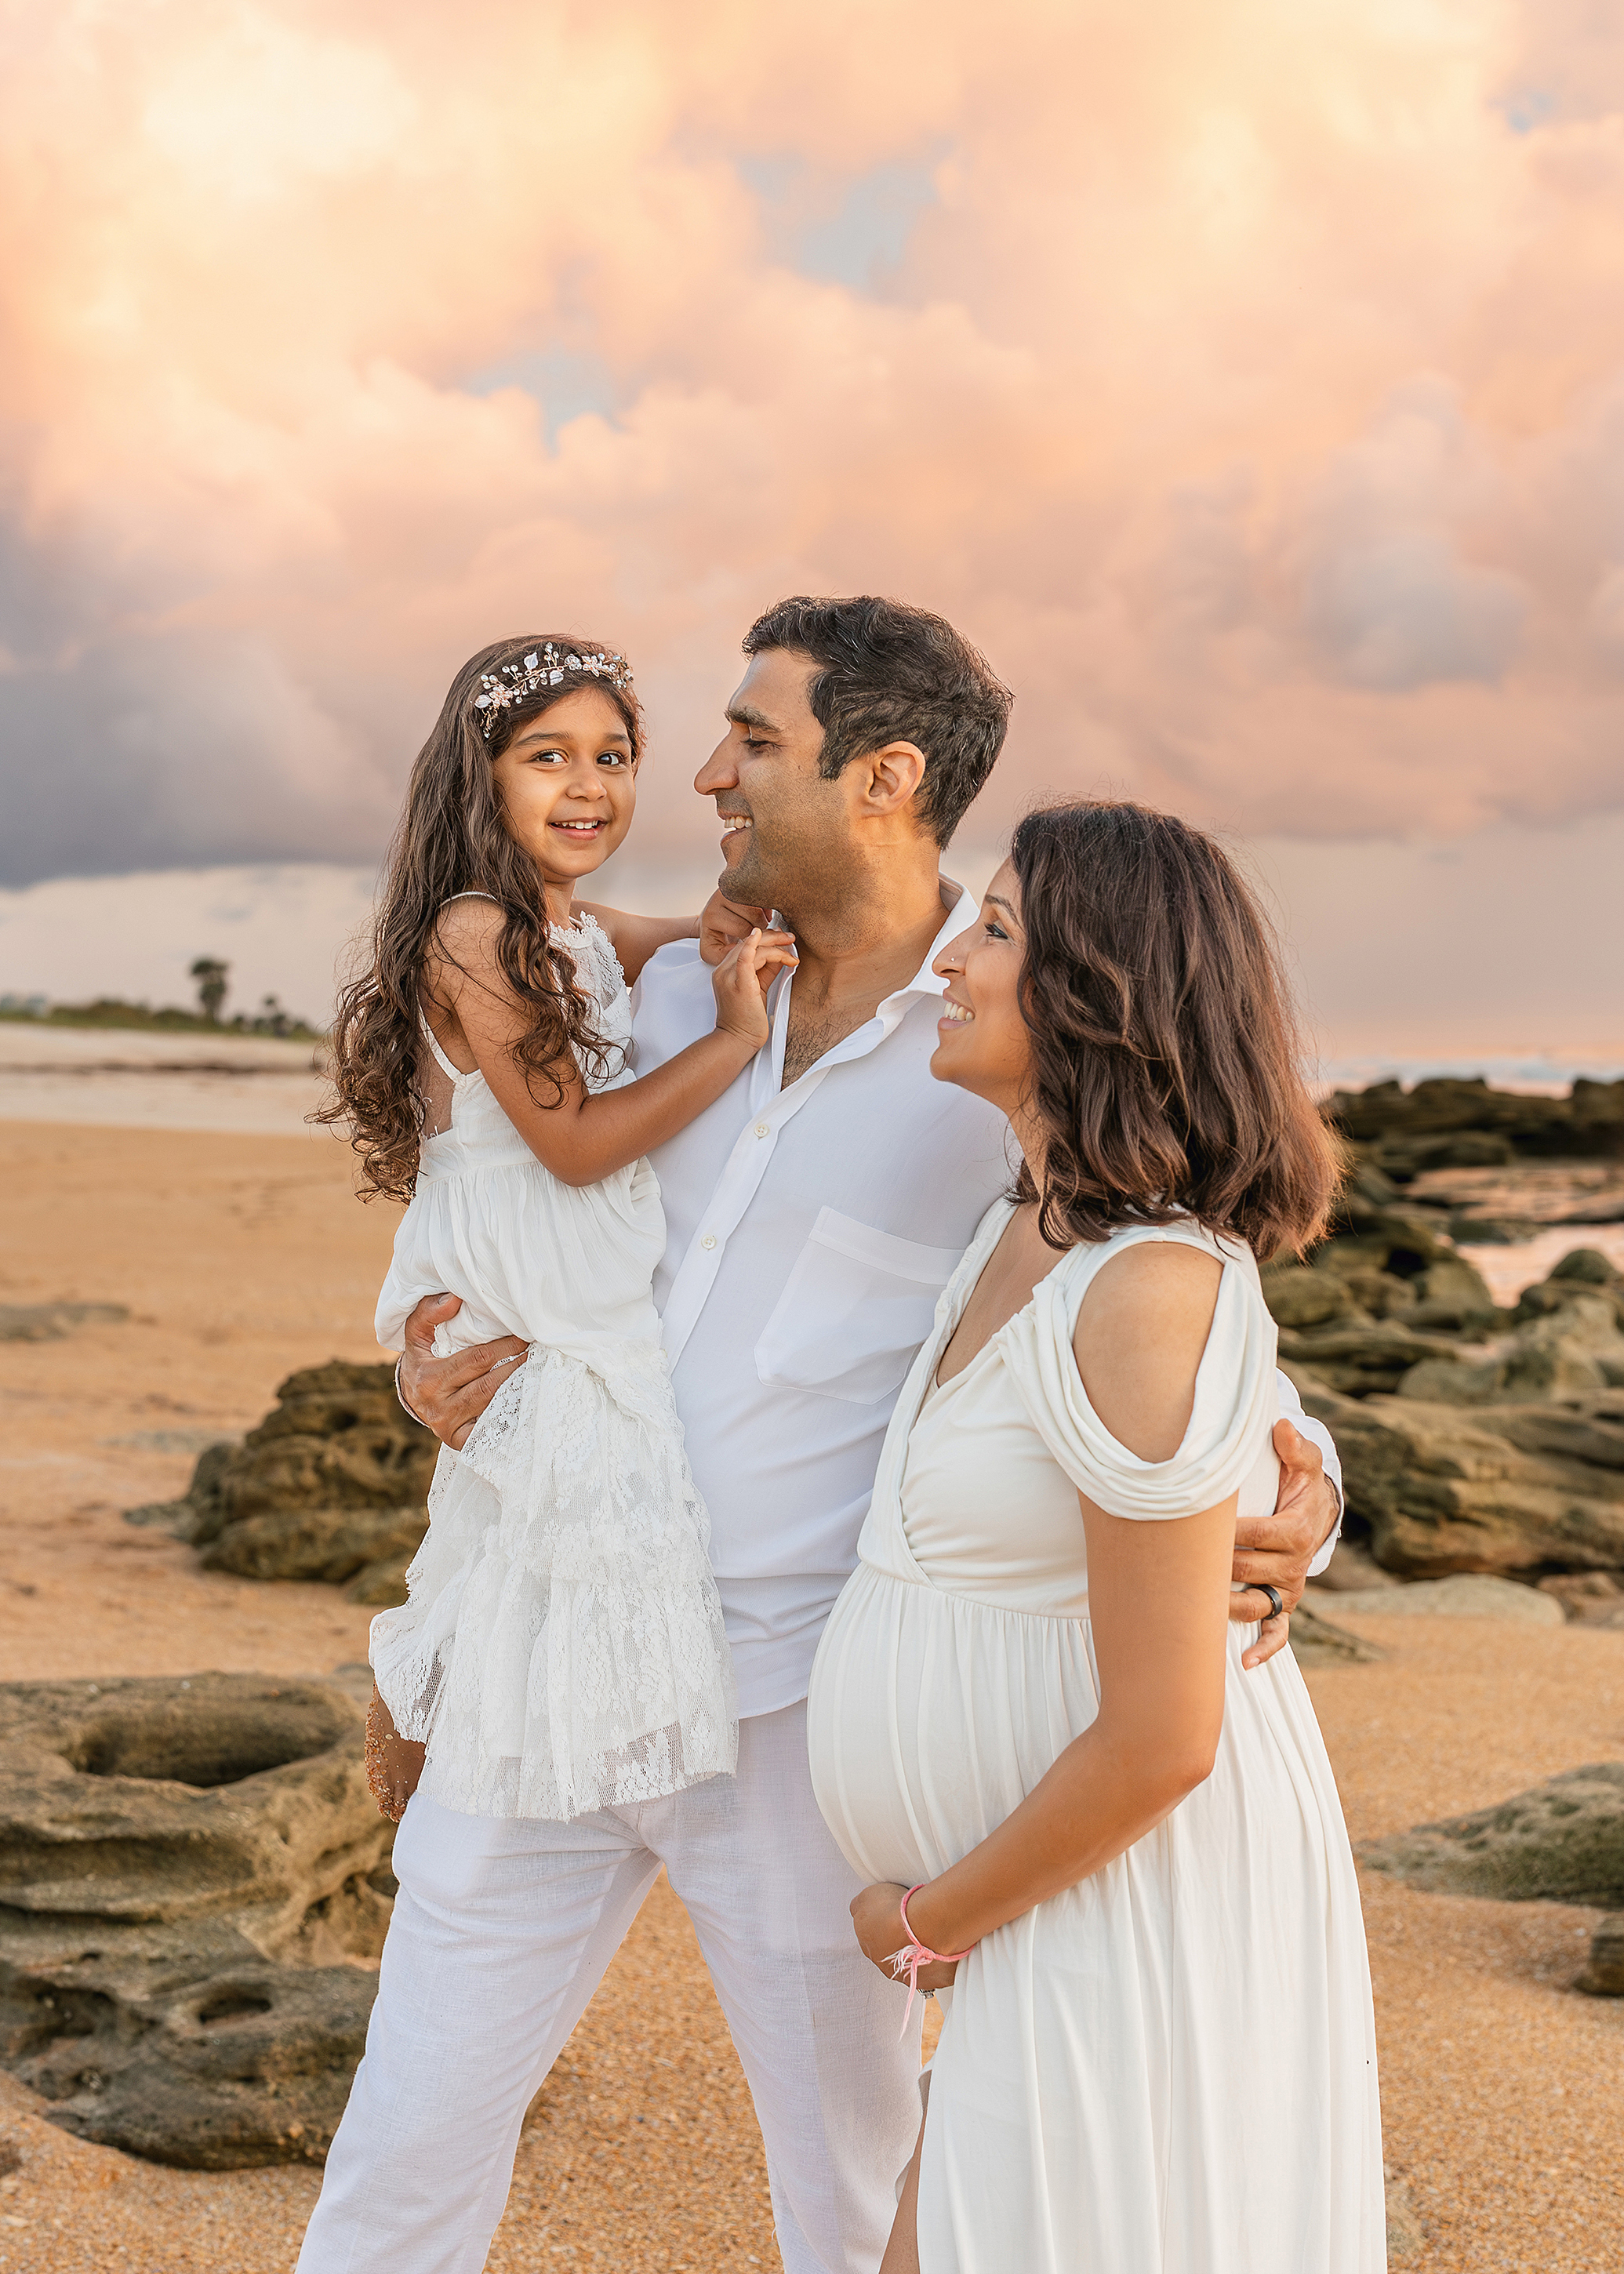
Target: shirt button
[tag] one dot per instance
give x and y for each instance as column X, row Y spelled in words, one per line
column 709, row 1240
column 763, row 1129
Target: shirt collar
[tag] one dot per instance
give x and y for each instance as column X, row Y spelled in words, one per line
column 925, row 981
column 889, row 1013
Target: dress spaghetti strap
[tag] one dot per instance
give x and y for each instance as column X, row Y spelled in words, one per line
column 453, row 1074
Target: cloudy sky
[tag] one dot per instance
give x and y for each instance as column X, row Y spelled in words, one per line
column 1248, row 381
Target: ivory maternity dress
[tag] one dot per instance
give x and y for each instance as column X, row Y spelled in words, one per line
column 1172, row 2066
column 561, row 1649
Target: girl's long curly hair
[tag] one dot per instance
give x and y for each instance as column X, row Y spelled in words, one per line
column 453, row 838
column 1165, row 1064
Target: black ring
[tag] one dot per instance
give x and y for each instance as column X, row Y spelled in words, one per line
column 400, row 1395
column 1275, row 1596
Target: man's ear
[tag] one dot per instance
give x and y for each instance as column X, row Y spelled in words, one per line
column 894, row 773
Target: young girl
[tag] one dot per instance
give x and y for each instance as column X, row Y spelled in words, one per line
column 561, row 1649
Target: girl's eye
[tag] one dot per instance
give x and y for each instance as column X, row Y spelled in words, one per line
column 549, row 757
column 994, row 930
column 612, row 758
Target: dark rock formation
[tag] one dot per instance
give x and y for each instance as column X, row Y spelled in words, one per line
column 1459, row 1595
column 1564, row 1840
column 194, row 1878
column 1353, row 1571
column 1590, row 1599
column 1363, row 1359
column 332, row 1485
column 1520, row 1490
column 1472, row 1439
column 251, row 2066
column 1316, row 1642
column 49, row 1322
column 1493, row 1231
column 1564, row 1343
column 1582, row 1272
column 1604, row 1975
column 1385, row 1265
column 1458, row 1125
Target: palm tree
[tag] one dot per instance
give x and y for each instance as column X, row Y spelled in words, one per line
column 213, row 977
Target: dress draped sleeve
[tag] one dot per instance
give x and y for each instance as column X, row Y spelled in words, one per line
column 1236, row 1396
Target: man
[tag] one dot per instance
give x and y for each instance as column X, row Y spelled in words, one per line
column 814, row 1214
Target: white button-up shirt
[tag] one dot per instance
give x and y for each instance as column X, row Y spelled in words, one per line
column 810, row 1230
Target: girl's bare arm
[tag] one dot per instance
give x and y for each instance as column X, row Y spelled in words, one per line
column 720, row 925
column 583, row 1137
column 636, row 939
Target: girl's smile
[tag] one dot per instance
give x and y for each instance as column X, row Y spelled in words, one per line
column 568, row 785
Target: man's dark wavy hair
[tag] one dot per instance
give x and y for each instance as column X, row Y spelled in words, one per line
column 1166, row 1069
column 888, row 672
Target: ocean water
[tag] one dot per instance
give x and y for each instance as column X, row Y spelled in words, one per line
column 234, row 1085
column 1535, row 1073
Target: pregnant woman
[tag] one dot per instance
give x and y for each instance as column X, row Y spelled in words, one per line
column 1030, row 1722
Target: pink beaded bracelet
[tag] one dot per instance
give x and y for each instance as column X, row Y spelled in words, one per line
column 917, row 1953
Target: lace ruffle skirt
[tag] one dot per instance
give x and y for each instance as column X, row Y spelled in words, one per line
column 561, row 1648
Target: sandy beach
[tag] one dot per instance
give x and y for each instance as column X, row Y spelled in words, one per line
column 113, row 1078
column 241, row 1256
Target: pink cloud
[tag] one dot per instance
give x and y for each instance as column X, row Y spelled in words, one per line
column 1249, row 387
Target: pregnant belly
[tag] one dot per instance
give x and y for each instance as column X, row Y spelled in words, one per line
column 930, row 1716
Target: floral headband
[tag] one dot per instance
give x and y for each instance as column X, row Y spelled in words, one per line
column 542, row 667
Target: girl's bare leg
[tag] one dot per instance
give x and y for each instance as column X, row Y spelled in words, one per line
column 902, row 2251
column 394, row 1762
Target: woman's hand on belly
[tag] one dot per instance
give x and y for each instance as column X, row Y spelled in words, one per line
column 1158, row 1596
column 876, row 1914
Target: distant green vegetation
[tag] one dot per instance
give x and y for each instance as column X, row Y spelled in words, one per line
column 111, row 1011
column 213, row 980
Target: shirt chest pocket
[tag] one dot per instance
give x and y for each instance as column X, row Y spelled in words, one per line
column 854, row 1309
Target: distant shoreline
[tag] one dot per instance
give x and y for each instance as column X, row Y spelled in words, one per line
column 206, row 1080
column 1535, row 1073
column 139, row 1019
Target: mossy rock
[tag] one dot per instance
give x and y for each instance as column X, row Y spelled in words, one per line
column 332, row 1486
column 1562, row 1840
column 194, row 1878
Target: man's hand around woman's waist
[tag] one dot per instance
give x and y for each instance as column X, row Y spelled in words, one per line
column 449, row 1394
column 1277, row 1550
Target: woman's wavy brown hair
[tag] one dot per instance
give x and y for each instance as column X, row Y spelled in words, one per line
column 1164, row 1051
column 452, row 837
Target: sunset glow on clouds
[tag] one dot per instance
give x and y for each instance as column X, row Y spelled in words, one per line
column 1249, row 382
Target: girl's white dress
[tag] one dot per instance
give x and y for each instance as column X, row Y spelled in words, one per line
column 561, row 1649
column 1172, row 2066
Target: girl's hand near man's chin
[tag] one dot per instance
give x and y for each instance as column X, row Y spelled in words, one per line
column 723, row 923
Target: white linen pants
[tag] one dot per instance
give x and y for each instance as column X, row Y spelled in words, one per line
column 503, row 1928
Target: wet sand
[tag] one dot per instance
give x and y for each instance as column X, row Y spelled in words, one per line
column 242, row 1257
column 110, row 1077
